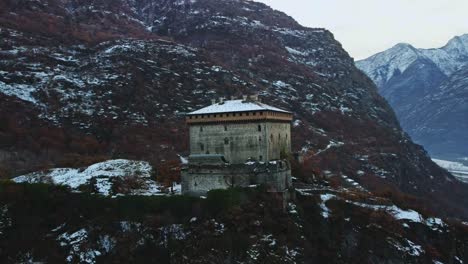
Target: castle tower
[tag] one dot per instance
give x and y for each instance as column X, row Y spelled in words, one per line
column 238, row 143
column 240, row 130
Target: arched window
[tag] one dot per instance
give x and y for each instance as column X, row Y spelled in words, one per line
column 202, row 147
column 201, row 129
column 225, row 128
column 226, row 141
column 259, row 128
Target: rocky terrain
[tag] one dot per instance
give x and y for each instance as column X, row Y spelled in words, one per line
column 82, row 82
column 110, row 178
column 46, row 224
column 427, row 89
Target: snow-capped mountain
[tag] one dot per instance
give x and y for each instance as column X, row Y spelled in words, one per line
column 381, row 67
column 417, row 83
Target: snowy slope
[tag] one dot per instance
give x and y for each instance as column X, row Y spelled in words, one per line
column 101, row 176
column 452, row 166
column 383, row 66
column 459, row 170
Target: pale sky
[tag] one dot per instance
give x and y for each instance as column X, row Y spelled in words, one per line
column 366, row 27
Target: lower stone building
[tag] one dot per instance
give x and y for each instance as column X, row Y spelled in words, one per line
column 238, row 143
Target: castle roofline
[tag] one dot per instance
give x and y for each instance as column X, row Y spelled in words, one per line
column 236, row 106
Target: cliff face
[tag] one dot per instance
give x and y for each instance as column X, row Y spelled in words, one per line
column 102, row 79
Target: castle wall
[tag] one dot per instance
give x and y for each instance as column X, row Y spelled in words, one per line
column 236, row 141
column 239, row 142
column 279, row 140
column 198, row 180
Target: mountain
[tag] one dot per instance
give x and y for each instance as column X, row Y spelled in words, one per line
column 405, row 76
column 440, row 118
column 86, row 82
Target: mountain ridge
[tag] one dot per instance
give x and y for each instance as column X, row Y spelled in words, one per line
column 407, row 77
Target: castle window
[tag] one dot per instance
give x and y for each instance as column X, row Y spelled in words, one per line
column 279, row 136
column 260, row 139
column 226, row 141
column 215, row 115
column 255, row 113
column 190, row 117
column 201, row 129
column 259, row 128
column 261, row 113
column 271, row 137
column 260, row 158
column 240, row 114
column 247, row 114
column 225, row 128
column 202, row 147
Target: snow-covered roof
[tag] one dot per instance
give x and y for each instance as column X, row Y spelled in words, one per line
column 236, row 106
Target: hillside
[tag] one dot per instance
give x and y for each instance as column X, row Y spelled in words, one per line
column 86, row 81
column 46, row 224
column 421, row 85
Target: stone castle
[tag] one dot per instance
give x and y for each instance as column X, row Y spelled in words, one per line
column 238, row 143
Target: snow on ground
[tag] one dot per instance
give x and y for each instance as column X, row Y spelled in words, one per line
column 102, row 176
column 411, row 248
column 183, row 160
column 405, row 216
column 452, row 166
column 74, row 241
column 332, row 144
column 325, row 198
column 22, row 91
column 458, row 169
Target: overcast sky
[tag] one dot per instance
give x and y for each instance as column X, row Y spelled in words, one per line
column 365, row 27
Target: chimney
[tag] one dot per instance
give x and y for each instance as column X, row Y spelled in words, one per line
column 213, row 101
column 254, row 97
column 221, row 100
column 233, row 97
column 244, row 98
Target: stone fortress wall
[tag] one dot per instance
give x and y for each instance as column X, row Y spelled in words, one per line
column 199, row 179
column 239, row 142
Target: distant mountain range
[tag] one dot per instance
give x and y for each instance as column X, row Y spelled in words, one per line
column 428, row 88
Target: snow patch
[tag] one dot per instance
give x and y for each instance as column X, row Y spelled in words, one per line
column 325, row 198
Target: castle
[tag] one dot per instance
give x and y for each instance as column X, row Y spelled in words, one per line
column 238, row 143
